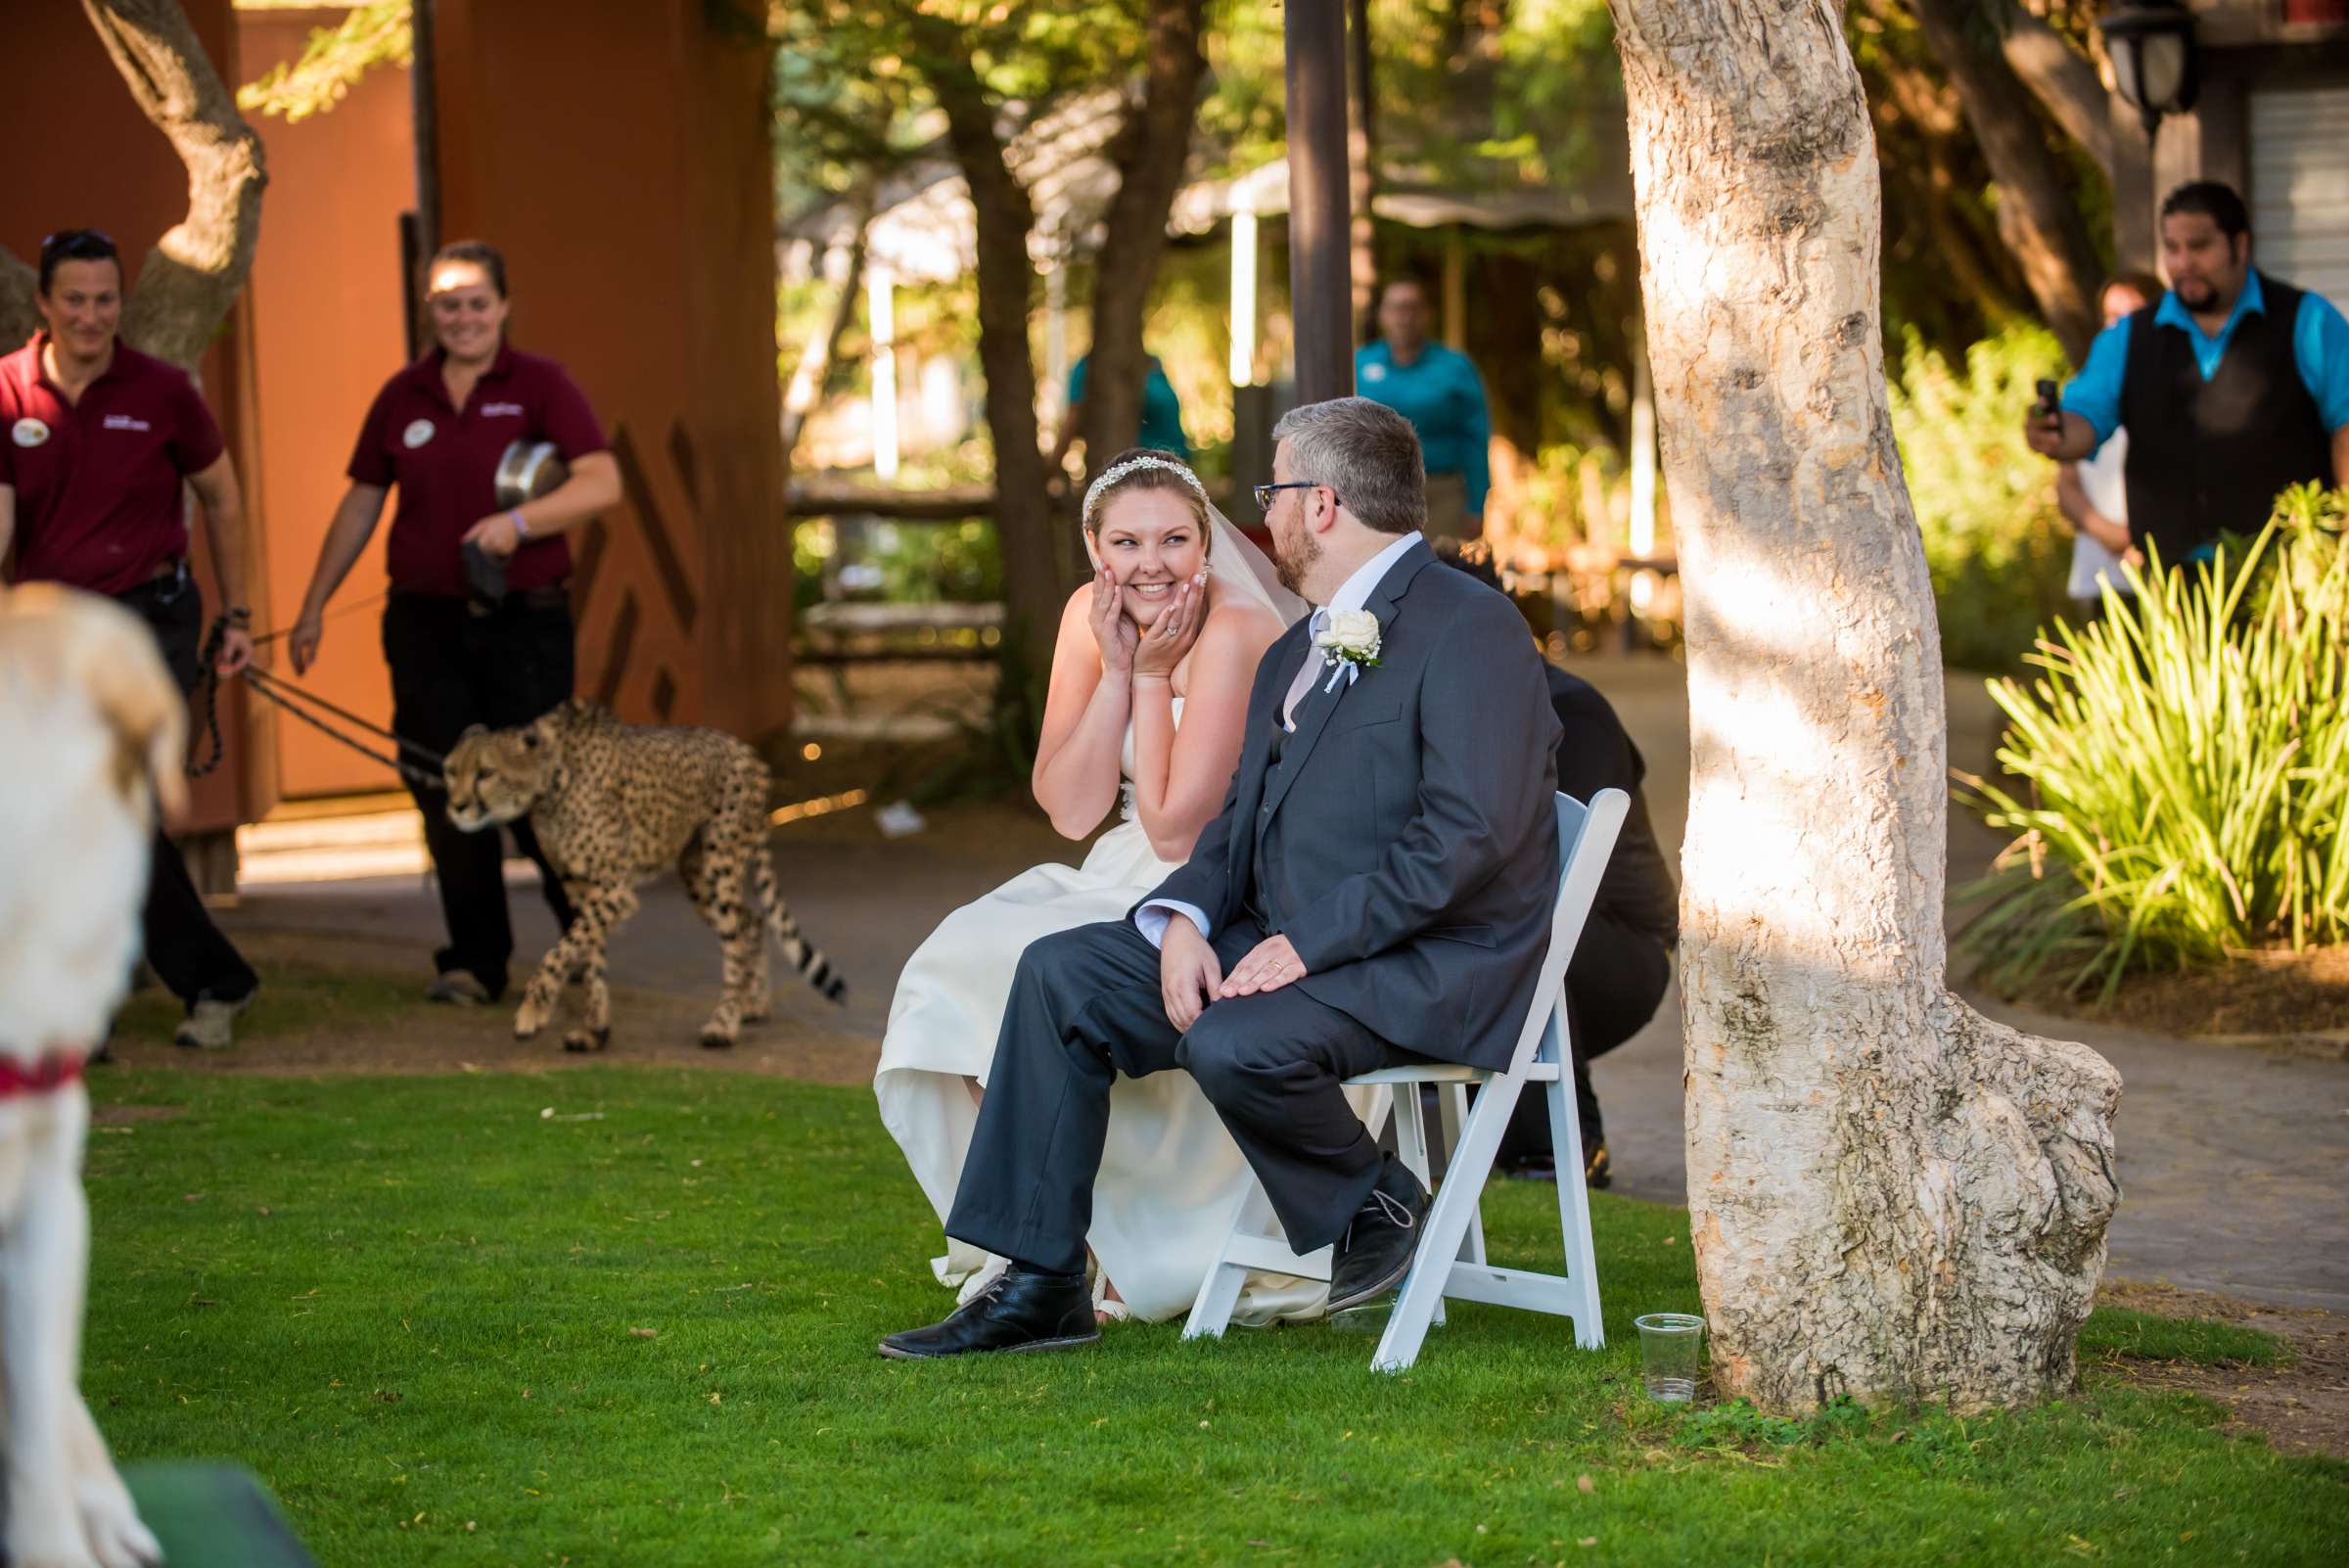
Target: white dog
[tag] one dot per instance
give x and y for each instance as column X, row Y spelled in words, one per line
column 92, row 727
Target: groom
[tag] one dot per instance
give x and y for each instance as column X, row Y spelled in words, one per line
column 1381, row 876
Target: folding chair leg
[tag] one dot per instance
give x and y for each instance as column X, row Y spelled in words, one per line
column 1447, row 1226
column 1573, row 1206
column 1410, row 1142
column 1455, row 1115
column 1211, row 1312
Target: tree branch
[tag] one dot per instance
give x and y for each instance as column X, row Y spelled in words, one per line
column 2038, row 219
column 2062, row 78
column 1152, row 148
column 194, row 273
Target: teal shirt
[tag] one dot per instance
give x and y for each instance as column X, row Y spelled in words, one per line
column 1162, row 411
column 2320, row 349
column 1444, row 398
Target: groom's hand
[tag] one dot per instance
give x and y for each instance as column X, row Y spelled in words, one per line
column 1188, row 972
column 1269, row 965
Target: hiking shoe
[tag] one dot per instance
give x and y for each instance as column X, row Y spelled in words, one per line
column 208, row 1024
column 459, row 987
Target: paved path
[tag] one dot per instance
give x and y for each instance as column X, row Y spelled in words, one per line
column 2234, row 1163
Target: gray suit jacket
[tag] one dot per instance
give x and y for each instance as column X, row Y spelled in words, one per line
column 1405, row 838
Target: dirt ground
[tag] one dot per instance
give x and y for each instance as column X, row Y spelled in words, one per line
column 648, row 1029
column 2302, row 1408
column 2303, row 998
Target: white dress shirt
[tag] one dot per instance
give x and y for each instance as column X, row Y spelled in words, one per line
column 1352, row 594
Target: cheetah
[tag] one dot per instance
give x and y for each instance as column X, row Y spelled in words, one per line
column 613, row 804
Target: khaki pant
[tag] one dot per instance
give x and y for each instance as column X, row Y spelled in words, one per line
column 1447, row 509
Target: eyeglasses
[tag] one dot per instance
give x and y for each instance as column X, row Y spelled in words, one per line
column 1265, row 493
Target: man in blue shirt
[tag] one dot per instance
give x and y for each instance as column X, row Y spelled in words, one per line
column 2234, row 387
column 1438, row 390
column 1162, row 411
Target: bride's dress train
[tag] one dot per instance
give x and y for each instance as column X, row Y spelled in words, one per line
column 1171, row 1176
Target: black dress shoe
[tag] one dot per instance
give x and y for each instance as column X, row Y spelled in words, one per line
column 1597, row 1169
column 1379, row 1245
column 1024, row 1310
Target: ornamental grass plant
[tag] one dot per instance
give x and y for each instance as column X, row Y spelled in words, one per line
column 2181, row 770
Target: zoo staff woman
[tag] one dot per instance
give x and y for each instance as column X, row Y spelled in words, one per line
column 96, row 440
column 437, row 432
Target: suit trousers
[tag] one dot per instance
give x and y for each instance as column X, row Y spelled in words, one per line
column 1617, row 979
column 1085, row 1007
column 451, row 668
column 187, row 949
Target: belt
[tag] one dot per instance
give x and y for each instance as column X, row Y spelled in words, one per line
column 165, row 584
column 554, row 596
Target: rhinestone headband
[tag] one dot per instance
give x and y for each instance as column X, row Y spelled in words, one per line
column 1119, row 471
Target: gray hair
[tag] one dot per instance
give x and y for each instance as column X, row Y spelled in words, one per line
column 1367, row 452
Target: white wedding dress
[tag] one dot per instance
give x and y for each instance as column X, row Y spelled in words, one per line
column 1171, row 1176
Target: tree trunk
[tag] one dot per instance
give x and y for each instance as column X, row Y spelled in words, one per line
column 194, row 272
column 1319, row 287
column 1891, row 1197
column 1039, row 565
column 2038, row 219
column 1152, row 148
column 807, row 377
column 1361, row 162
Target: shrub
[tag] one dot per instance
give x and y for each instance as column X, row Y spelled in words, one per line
column 1997, row 548
column 2186, row 758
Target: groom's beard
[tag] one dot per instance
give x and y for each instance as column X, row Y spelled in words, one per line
column 1293, row 557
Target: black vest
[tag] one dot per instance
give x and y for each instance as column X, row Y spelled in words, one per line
column 2210, row 456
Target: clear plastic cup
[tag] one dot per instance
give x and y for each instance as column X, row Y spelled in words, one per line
column 1668, row 1354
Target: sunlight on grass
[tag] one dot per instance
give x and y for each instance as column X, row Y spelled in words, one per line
column 449, row 1329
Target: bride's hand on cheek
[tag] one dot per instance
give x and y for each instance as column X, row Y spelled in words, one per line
column 1174, row 635
column 1114, row 633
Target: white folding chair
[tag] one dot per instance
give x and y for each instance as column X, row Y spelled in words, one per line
column 1451, row 1260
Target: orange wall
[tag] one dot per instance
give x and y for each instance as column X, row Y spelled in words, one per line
column 619, row 152
column 91, row 160
column 328, row 330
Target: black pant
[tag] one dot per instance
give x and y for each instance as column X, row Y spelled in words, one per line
column 451, row 668
column 187, row 949
column 1617, row 977
column 1085, row 1007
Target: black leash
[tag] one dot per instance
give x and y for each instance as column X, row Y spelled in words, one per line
column 291, row 697
column 207, row 682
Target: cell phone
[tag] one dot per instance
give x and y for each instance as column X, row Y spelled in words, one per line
column 2047, row 394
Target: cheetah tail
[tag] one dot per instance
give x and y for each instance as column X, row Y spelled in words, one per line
column 802, row 954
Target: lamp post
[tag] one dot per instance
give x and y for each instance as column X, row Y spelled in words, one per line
column 2151, row 43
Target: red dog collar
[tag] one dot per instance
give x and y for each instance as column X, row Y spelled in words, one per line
column 44, row 1076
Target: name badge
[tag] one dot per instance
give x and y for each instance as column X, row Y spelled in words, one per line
column 1374, row 371
column 28, row 431
column 417, row 433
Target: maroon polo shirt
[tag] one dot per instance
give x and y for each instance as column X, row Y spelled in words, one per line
column 98, row 482
column 444, row 462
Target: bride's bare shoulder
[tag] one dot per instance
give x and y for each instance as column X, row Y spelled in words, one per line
column 1241, row 623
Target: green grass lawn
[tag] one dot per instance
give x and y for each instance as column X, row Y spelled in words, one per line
column 416, row 1308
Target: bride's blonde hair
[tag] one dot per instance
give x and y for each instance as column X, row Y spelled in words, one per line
column 1147, row 468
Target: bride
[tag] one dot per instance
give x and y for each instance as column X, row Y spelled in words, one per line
column 1149, row 697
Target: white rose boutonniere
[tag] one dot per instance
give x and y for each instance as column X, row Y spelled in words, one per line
column 1349, row 645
